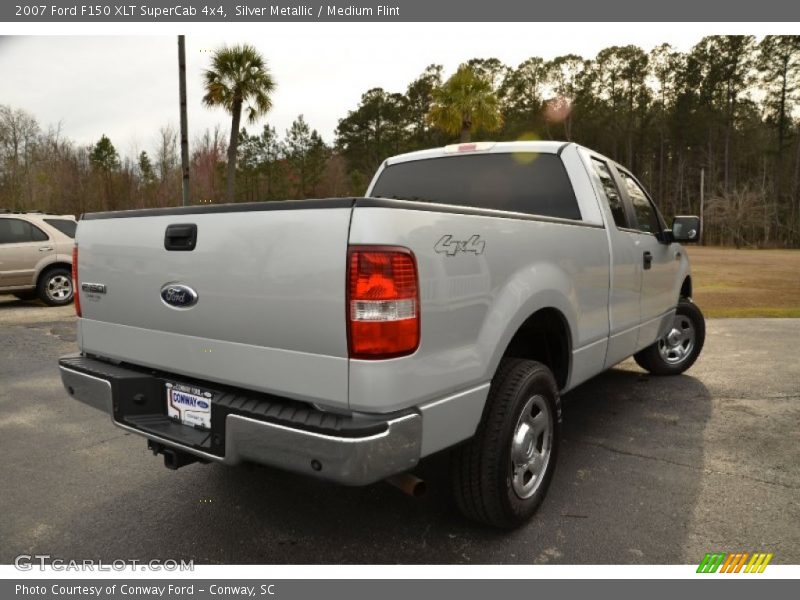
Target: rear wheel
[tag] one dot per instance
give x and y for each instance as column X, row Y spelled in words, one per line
column 502, row 474
column 679, row 348
column 55, row 287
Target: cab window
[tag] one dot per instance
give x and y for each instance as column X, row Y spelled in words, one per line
column 610, row 192
column 646, row 216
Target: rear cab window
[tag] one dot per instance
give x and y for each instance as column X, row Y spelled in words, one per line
column 521, row 182
column 65, row 226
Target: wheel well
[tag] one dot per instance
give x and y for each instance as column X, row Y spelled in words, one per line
column 50, row 267
column 544, row 337
column 686, row 287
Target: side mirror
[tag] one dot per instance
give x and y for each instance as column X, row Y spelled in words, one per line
column 686, row 229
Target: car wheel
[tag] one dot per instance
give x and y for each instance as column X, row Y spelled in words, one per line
column 679, row 348
column 55, row 287
column 501, row 475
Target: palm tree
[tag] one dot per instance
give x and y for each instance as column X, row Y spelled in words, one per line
column 464, row 104
column 238, row 75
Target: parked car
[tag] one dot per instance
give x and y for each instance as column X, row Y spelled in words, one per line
column 36, row 256
column 348, row 338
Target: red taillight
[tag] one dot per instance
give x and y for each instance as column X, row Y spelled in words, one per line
column 75, row 285
column 383, row 302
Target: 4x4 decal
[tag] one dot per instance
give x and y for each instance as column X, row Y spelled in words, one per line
column 447, row 245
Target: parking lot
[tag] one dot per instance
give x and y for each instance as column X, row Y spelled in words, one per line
column 652, row 470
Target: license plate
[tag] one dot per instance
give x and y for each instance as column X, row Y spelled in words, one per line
column 189, row 405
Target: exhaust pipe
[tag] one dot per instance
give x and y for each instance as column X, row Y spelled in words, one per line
column 409, row 484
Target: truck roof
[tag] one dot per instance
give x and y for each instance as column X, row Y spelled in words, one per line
column 541, row 147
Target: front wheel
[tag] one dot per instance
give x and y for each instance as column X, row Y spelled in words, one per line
column 676, row 351
column 501, row 475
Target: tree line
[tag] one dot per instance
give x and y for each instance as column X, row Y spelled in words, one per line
column 727, row 108
column 41, row 169
column 725, row 112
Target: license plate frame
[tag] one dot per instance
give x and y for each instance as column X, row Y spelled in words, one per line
column 189, row 405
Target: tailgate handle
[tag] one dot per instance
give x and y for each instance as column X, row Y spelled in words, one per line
column 181, row 237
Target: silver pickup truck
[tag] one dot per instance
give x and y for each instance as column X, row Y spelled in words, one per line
column 349, row 338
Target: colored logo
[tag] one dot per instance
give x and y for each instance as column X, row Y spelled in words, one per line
column 734, row 562
column 178, row 295
column 186, row 400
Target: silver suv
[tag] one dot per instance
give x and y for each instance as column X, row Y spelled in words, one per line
column 36, row 256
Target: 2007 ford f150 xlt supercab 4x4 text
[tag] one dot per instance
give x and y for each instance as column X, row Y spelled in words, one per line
column 349, row 338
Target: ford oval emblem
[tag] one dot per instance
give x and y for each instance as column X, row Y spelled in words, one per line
column 202, row 404
column 178, row 295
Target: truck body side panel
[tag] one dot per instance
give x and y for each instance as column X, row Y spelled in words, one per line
column 473, row 303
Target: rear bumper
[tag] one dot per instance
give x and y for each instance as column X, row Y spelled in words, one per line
column 351, row 450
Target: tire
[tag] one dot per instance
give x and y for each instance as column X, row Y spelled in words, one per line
column 487, row 486
column 32, row 295
column 678, row 350
column 55, row 287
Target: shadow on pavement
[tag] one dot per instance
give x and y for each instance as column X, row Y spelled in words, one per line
column 9, row 302
column 623, row 492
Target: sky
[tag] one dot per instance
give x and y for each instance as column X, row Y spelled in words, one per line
column 126, row 87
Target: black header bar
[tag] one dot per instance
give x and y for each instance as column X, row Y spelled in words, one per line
column 153, row 11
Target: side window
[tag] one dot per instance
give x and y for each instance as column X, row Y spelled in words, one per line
column 16, row 231
column 37, row 235
column 65, row 226
column 646, row 217
column 611, row 193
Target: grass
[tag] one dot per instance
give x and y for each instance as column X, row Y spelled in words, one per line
column 746, row 283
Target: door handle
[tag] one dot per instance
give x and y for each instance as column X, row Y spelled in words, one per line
column 181, row 237
column 45, row 249
column 647, row 259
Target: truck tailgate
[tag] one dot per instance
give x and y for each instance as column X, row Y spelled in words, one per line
column 270, row 285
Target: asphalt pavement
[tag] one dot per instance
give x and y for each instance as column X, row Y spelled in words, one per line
column 653, row 470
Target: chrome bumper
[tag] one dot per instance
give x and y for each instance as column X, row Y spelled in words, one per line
column 346, row 460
